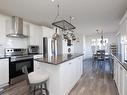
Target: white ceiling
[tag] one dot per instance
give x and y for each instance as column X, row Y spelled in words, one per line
column 86, row 12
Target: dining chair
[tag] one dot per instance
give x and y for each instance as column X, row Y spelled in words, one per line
column 100, row 59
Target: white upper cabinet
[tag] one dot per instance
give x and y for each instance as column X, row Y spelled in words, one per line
column 47, row 32
column 26, row 28
column 35, row 36
column 123, row 32
column 123, row 29
column 3, row 20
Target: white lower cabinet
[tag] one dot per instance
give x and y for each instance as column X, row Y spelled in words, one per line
column 70, row 74
column 125, row 82
column 120, row 80
column 36, row 64
column 4, row 72
column 120, row 77
column 35, row 36
column 115, row 71
column 66, row 77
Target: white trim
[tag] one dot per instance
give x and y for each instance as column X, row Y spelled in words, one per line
column 3, row 85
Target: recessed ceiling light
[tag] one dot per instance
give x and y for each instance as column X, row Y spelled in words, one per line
column 52, row 0
column 72, row 18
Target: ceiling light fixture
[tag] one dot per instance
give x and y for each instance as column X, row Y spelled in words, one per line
column 100, row 32
column 66, row 27
column 52, row 0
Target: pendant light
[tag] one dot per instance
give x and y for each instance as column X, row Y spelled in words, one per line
column 100, row 32
column 52, row 0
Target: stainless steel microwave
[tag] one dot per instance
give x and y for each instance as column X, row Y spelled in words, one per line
column 33, row 49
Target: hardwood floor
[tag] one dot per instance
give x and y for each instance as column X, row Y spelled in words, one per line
column 93, row 82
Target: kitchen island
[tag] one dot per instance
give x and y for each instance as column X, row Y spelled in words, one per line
column 64, row 71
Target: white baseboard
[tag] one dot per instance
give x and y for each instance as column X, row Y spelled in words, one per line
column 3, row 85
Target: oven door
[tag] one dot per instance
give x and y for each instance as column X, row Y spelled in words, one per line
column 15, row 67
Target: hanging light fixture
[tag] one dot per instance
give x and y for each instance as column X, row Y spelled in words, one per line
column 100, row 32
column 52, row 0
column 62, row 24
column 55, row 35
column 66, row 27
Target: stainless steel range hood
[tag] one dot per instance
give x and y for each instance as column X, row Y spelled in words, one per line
column 17, row 27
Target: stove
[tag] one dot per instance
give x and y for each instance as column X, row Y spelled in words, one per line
column 16, row 51
column 18, row 57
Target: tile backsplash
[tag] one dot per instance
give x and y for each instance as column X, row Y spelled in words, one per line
column 12, row 43
column 16, row 43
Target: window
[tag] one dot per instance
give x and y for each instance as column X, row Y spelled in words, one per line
column 93, row 42
column 97, row 45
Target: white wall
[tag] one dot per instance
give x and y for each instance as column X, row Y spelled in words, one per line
column 87, row 40
column 78, row 44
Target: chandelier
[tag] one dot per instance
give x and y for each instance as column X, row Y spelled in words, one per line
column 100, row 32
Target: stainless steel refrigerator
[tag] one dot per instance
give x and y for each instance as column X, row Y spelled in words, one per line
column 52, row 47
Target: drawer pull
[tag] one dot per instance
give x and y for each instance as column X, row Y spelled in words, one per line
column 69, row 63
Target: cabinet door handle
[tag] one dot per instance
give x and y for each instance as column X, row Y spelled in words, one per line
column 69, row 63
column 126, row 75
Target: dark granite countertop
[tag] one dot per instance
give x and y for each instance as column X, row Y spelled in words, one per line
column 55, row 60
column 119, row 58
